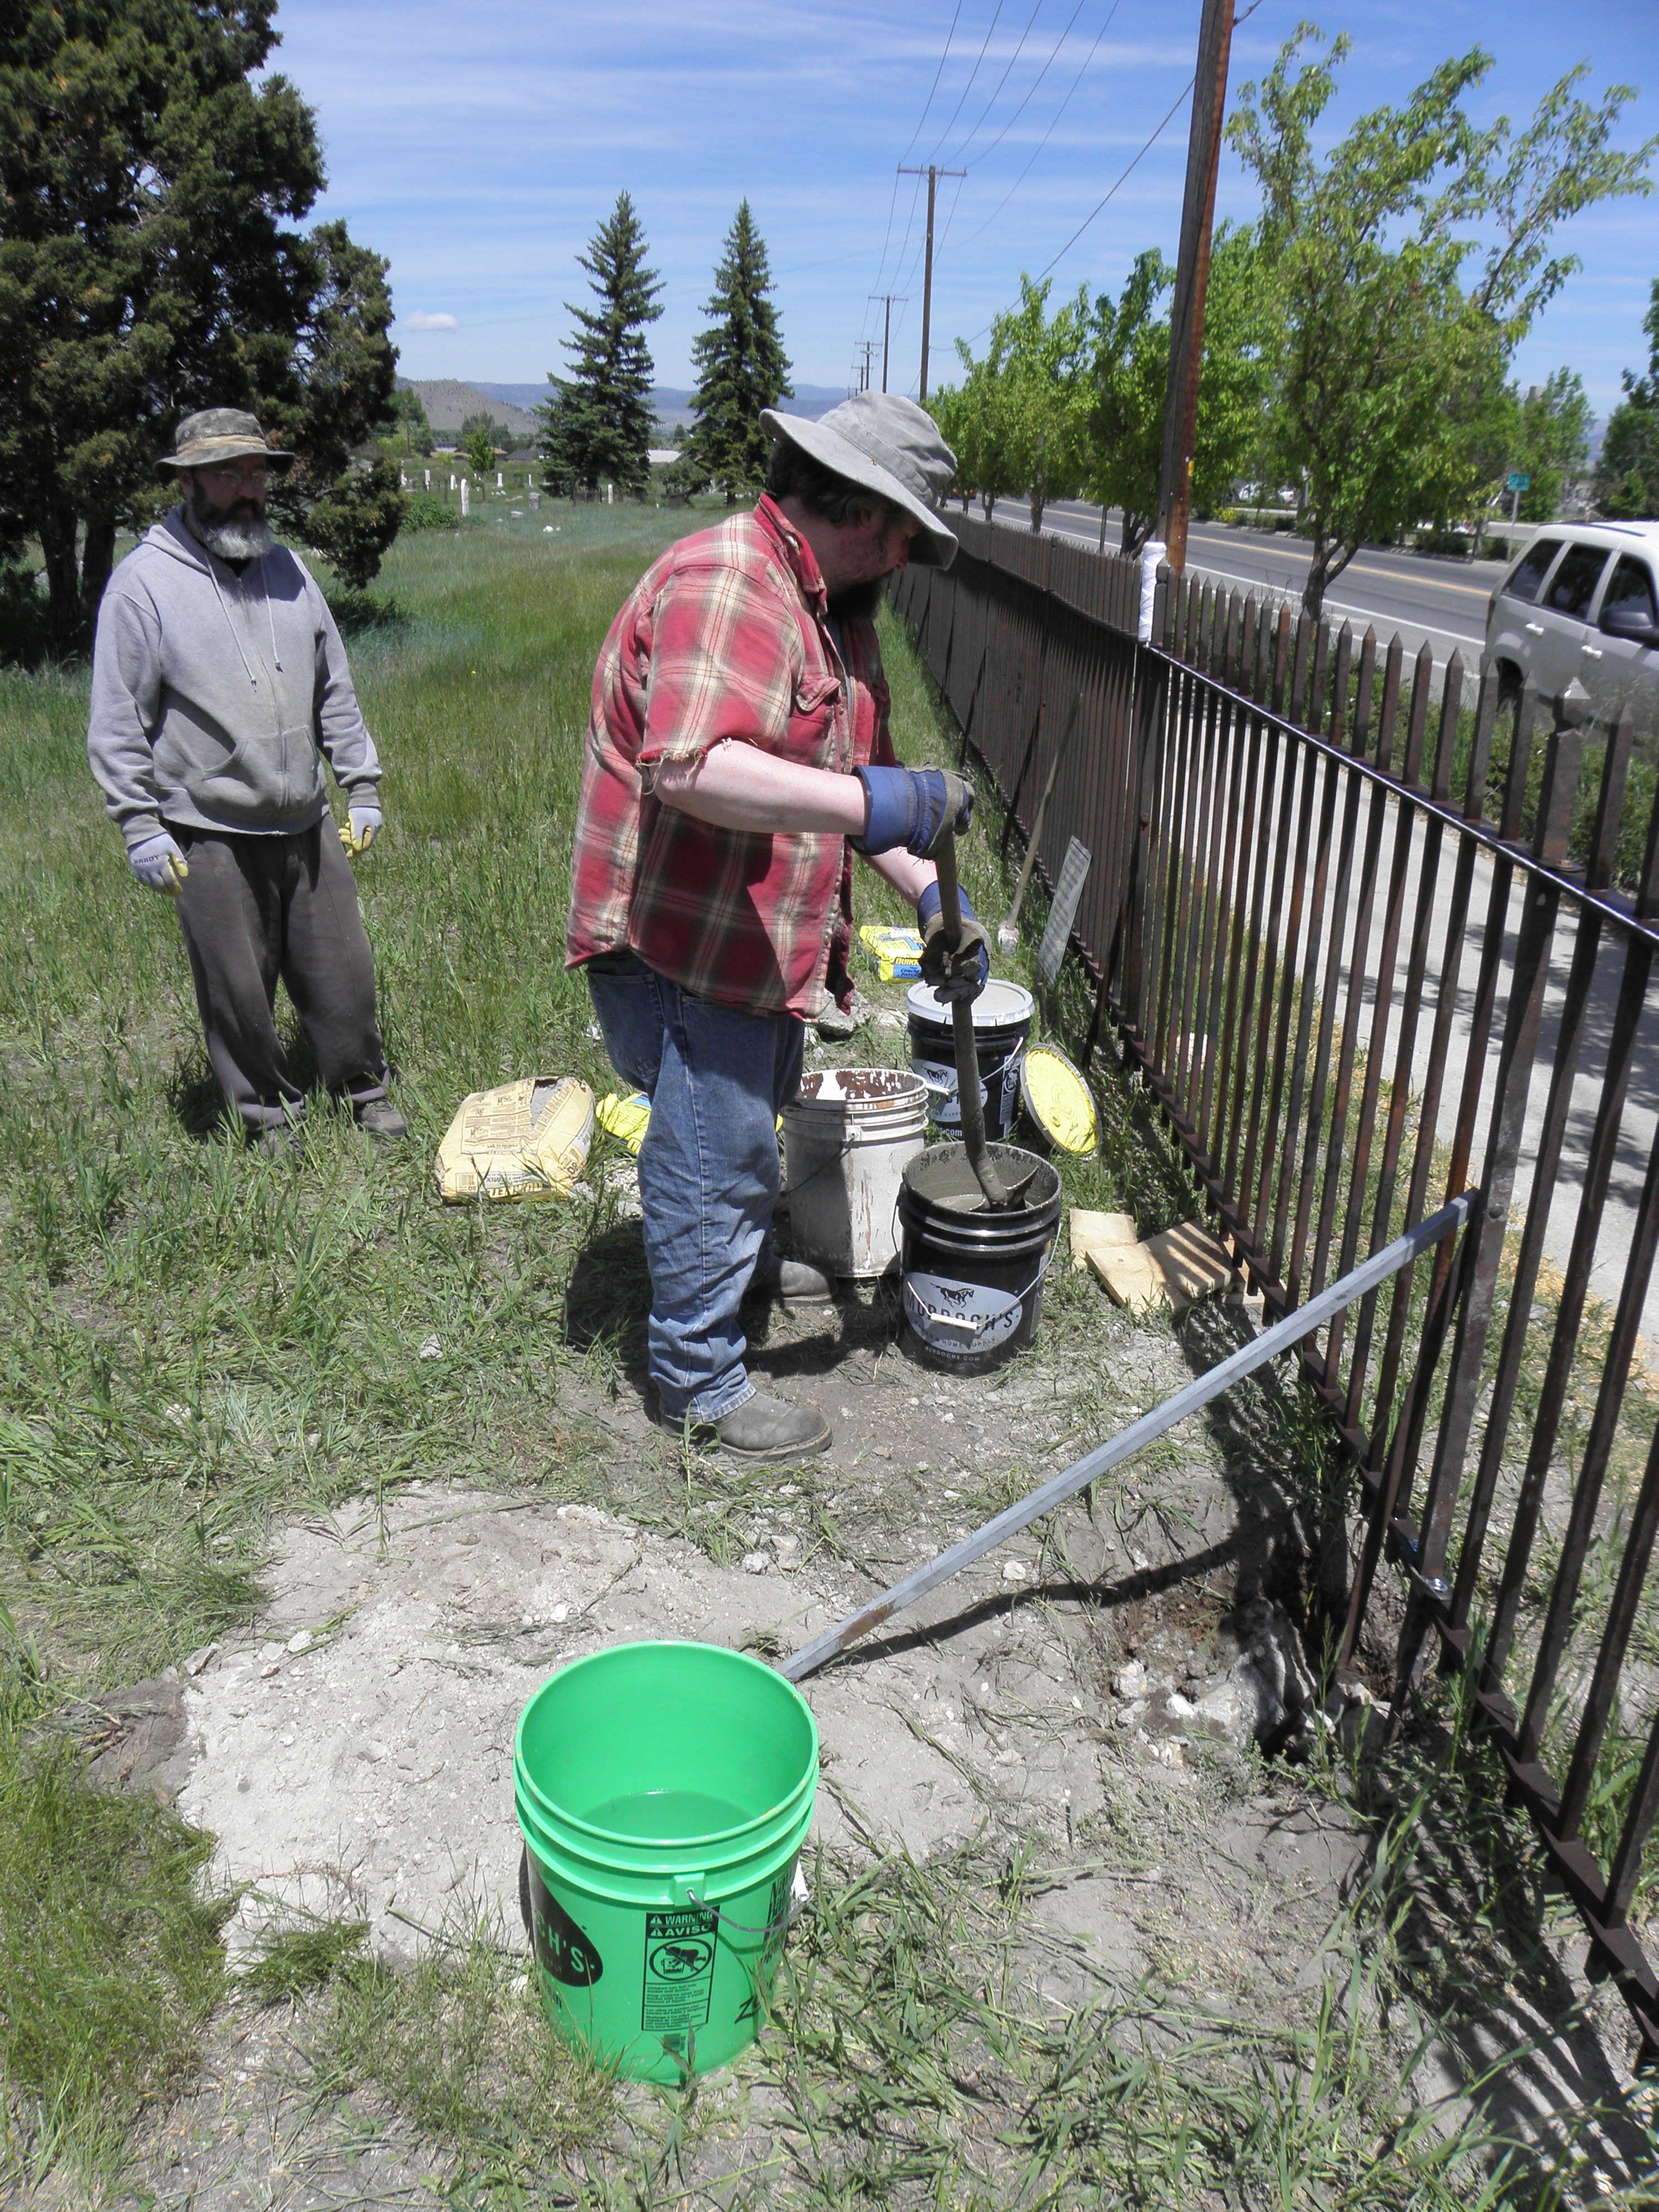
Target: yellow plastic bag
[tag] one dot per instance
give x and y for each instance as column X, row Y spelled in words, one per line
column 627, row 1114
column 894, row 952
column 525, row 1139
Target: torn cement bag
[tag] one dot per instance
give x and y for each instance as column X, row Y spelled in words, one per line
column 526, row 1139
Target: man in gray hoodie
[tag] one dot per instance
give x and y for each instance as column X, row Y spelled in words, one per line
column 219, row 686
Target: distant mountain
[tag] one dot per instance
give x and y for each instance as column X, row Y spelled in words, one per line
column 673, row 406
column 448, row 403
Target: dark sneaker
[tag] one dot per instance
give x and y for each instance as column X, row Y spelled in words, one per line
column 380, row 1118
column 791, row 1282
column 762, row 1428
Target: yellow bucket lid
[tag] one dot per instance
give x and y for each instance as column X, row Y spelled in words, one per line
column 1058, row 1101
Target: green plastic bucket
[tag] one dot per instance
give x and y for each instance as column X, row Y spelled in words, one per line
column 663, row 1792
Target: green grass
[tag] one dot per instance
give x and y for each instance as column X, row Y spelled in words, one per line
column 111, row 1961
column 198, row 1345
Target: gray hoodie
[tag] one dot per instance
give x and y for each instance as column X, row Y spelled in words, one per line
column 215, row 696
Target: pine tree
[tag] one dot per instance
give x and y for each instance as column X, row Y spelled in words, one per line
column 741, row 367
column 598, row 421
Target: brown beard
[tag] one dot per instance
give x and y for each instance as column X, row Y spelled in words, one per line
column 858, row 602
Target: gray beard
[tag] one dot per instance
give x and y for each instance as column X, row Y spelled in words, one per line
column 235, row 540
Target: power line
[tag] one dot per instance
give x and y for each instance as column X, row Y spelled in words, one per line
column 1134, row 165
column 1179, row 102
column 910, row 223
column 1053, row 126
column 892, row 205
column 995, row 18
column 934, row 88
column 1037, row 80
column 1101, row 203
column 1002, row 81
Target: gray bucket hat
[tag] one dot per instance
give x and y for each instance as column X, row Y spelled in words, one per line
column 219, row 434
column 885, row 445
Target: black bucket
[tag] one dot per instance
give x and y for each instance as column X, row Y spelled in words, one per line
column 973, row 1278
column 1002, row 1028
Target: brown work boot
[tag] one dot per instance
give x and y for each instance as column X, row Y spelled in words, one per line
column 791, row 1282
column 763, row 1429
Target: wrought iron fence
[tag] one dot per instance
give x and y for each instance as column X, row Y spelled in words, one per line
column 1362, row 935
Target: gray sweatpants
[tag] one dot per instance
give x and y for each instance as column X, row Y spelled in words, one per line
column 257, row 908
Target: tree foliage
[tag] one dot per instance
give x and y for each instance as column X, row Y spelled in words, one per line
column 741, row 368
column 1548, row 440
column 482, row 437
column 1074, row 403
column 150, row 265
column 1130, row 377
column 1017, row 422
column 597, row 423
column 1387, row 372
column 1627, row 475
column 408, row 411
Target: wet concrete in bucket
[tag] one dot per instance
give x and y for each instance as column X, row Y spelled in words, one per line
column 944, row 1176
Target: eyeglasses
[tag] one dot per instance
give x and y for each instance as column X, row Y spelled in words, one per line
column 224, row 473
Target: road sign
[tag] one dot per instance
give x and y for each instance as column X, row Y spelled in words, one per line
column 1518, row 482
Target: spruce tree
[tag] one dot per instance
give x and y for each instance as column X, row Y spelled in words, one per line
column 741, row 367
column 598, row 421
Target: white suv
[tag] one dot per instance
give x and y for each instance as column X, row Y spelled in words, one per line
column 1583, row 600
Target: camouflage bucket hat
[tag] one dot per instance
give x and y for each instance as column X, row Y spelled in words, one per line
column 219, row 434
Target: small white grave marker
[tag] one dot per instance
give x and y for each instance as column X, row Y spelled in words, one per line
column 1062, row 915
column 465, row 509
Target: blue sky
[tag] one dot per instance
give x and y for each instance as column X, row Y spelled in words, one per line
column 479, row 147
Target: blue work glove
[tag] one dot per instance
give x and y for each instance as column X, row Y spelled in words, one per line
column 364, row 827
column 964, row 973
column 159, row 864
column 912, row 806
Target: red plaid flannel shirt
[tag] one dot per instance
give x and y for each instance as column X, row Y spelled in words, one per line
column 725, row 636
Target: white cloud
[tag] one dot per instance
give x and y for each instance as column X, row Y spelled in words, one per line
column 419, row 322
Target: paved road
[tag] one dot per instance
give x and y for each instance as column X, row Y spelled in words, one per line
column 1420, row 597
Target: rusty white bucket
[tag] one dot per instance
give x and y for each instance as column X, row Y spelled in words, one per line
column 848, row 1136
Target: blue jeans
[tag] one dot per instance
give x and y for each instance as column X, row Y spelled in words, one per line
column 717, row 1080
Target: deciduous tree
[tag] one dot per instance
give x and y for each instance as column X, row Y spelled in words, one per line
column 741, row 368
column 1627, row 475
column 150, row 265
column 1387, row 371
column 597, row 425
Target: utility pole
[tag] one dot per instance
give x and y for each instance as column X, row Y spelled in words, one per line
column 1175, row 483
column 866, row 347
column 933, row 176
column 887, row 300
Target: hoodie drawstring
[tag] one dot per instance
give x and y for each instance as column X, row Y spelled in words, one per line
column 270, row 618
column 225, row 611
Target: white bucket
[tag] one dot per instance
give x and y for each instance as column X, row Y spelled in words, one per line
column 849, row 1134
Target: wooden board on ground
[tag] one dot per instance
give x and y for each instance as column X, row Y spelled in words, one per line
column 1172, row 1269
column 1098, row 1232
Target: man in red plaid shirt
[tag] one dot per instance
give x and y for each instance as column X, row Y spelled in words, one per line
column 738, row 754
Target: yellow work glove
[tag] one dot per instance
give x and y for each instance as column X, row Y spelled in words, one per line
column 359, row 833
column 159, row 864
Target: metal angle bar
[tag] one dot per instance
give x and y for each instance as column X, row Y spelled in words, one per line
column 1283, row 1337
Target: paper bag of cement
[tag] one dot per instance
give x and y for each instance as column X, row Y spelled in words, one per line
column 523, row 1140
